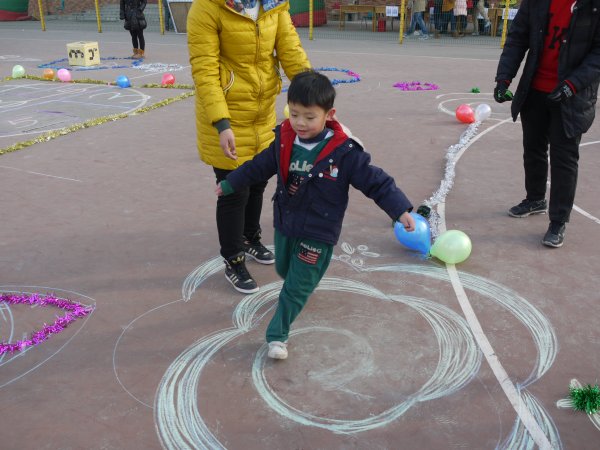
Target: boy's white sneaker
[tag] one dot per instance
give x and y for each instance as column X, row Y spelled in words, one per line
column 278, row 350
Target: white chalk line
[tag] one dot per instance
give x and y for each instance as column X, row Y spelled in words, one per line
column 180, row 425
column 486, row 347
column 114, row 357
column 39, row 173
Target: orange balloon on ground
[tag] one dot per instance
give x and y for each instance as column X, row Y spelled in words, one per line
column 465, row 113
column 48, row 74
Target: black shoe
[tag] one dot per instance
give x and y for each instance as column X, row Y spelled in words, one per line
column 528, row 207
column 237, row 274
column 555, row 235
column 254, row 248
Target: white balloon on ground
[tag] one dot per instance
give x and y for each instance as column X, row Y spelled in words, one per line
column 483, row 112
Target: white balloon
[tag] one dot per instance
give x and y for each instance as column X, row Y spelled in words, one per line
column 483, row 112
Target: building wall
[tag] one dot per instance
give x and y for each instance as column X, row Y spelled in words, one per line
column 64, row 7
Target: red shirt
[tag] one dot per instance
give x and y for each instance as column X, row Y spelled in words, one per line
column 546, row 77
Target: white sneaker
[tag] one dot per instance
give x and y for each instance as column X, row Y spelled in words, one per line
column 417, row 33
column 278, row 350
column 424, row 37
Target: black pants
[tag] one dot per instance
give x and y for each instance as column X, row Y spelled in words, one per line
column 542, row 125
column 137, row 39
column 238, row 215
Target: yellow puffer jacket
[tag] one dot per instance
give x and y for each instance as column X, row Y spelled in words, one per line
column 235, row 65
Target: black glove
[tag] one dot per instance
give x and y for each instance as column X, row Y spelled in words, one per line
column 501, row 92
column 424, row 210
column 561, row 93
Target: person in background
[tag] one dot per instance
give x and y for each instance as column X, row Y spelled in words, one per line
column 446, row 17
column 478, row 10
column 315, row 162
column 236, row 51
column 460, row 15
column 168, row 20
column 556, row 98
column 418, row 8
column 132, row 11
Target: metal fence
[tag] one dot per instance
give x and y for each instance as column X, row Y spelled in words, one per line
column 346, row 22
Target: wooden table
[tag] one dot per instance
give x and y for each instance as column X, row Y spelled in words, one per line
column 344, row 9
column 375, row 11
column 495, row 16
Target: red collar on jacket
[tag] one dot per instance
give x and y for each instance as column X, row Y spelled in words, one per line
column 287, row 136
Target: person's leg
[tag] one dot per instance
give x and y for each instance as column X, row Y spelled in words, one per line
column 421, row 23
column 475, row 15
column 564, row 163
column 231, row 218
column 535, row 120
column 413, row 23
column 252, row 232
column 134, row 43
column 308, row 262
column 253, row 209
column 230, row 226
column 481, row 9
column 141, row 40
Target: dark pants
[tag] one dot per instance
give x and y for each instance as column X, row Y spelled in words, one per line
column 238, row 215
column 444, row 19
column 542, row 126
column 137, row 39
column 301, row 263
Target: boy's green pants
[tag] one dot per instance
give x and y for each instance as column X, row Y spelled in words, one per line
column 301, row 263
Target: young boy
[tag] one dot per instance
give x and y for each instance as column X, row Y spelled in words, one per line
column 315, row 163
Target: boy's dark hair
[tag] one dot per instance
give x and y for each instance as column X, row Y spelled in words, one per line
column 310, row 88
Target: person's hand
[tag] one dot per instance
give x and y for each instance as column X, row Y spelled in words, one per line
column 408, row 221
column 560, row 93
column 501, row 92
column 227, row 143
column 218, row 190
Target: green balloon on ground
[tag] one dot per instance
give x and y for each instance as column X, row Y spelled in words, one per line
column 452, row 247
column 18, row 71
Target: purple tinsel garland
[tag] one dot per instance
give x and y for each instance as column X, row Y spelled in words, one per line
column 74, row 311
column 416, row 86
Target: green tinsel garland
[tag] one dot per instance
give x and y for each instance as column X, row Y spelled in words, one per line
column 586, row 398
column 45, row 137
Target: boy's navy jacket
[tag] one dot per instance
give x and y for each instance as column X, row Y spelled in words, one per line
column 316, row 210
column 578, row 61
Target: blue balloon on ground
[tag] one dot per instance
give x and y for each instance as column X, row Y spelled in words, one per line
column 420, row 239
column 123, row 81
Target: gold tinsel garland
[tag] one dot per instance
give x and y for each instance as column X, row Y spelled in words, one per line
column 45, row 137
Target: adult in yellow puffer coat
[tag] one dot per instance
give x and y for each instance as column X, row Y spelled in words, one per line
column 236, row 50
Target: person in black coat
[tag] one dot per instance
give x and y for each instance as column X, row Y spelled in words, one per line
column 132, row 11
column 556, row 97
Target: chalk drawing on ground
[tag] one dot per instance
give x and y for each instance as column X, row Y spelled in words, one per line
column 37, row 107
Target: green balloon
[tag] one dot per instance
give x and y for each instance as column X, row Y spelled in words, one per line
column 452, row 247
column 18, row 71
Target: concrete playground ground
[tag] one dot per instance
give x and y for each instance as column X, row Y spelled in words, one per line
column 393, row 351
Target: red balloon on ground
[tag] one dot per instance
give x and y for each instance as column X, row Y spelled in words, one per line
column 465, row 113
column 167, row 78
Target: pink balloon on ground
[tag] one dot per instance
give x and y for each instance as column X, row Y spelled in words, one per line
column 64, row 75
column 465, row 113
column 167, row 78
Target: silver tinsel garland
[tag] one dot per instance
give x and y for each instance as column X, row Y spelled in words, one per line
column 439, row 196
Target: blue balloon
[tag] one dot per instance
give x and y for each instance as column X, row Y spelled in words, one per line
column 123, row 81
column 420, row 239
